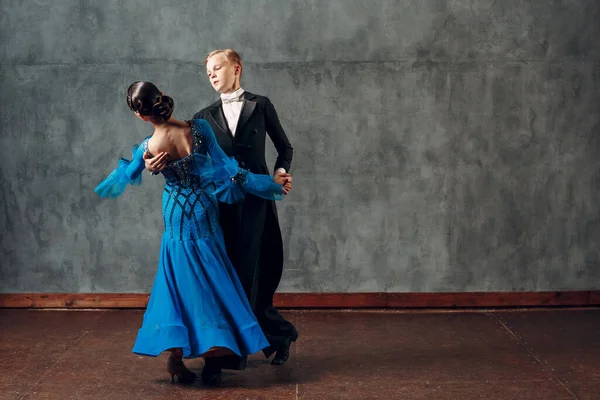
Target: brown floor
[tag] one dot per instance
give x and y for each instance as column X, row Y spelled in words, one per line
column 544, row 354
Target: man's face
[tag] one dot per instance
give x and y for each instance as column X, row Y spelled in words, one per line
column 223, row 75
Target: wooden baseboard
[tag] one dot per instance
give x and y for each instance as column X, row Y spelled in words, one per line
column 324, row 300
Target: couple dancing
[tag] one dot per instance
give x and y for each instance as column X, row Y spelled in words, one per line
column 221, row 255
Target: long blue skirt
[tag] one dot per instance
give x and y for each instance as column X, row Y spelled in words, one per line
column 197, row 302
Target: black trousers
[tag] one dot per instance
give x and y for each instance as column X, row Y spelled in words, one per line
column 255, row 247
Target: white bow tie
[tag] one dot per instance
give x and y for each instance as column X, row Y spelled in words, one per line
column 227, row 100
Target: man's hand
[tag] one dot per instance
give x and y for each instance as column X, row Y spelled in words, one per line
column 285, row 180
column 287, row 187
column 155, row 164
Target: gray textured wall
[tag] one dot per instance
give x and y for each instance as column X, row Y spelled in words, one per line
column 441, row 145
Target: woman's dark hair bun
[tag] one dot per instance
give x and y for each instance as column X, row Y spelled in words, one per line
column 163, row 107
column 145, row 99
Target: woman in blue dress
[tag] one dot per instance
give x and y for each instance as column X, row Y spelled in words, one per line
column 197, row 307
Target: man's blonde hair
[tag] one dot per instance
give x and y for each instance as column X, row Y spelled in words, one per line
column 231, row 55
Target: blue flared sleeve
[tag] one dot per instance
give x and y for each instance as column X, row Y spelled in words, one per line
column 126, row 173
column 232, row 182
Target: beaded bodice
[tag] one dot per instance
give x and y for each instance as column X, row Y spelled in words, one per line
column 189, row 208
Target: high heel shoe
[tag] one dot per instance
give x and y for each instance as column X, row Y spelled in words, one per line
column 176, row 367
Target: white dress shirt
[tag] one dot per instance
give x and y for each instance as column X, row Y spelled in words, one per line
column 232, row 108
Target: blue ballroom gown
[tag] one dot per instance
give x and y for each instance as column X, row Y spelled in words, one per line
column 197, row 301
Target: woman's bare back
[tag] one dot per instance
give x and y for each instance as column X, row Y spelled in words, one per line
column 173, row 138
